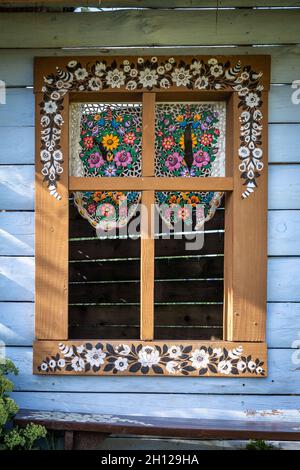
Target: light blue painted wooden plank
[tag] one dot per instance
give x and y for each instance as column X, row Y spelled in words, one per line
column 16, row 69
column 284, row 187
column 17, row 233
column 19, row 108
column 283, row 378
column 284, row 143
column 283, row 325
column 283, row 233
column 16, row 66
column 17, row 323
column 281, row 108
column 16, row 187
column 16, row 145
column 283, row 280
column 247, row 407
column 17, row 279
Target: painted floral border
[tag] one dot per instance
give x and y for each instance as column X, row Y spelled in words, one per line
column 101, row 358
column 148, row 74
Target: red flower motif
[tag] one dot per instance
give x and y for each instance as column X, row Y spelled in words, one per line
column 129, row 138
column 88, row 142
column 206, row 139
column 91, row 208
column 168, row 142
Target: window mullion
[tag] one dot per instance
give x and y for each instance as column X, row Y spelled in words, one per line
column 147, row 239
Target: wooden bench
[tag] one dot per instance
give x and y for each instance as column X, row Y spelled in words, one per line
column 86, row 431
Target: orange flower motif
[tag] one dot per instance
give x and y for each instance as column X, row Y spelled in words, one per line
column 184, row 196
column 172, row 199
column 118, row 197
column 97, row 196
column 179, row 118
column 194, row 200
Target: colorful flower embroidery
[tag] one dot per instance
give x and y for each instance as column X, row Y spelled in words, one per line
column 107, row 210
column 188, row 142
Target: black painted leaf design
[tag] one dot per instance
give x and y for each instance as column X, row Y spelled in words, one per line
column 110, row 348
column 189, row 368
column 111, row 359
column 135, row 367
column 145, row 370
column 157, row 369
column 184, row 356
column 69, row 367
column 203, row 371
column 212, row 368
column 166, row 359
column 89, row 346
column 234, row 371
column 187, row 349
column 165, row 349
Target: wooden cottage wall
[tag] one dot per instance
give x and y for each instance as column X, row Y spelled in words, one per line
column 23, row 36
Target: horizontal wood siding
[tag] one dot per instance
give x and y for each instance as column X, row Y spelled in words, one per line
column 273, row 398
column 139, row 28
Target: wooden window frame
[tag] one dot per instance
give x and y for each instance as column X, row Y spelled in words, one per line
column 243, row 350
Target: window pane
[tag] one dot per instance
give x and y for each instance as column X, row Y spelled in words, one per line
column 189, row 279
column 104, row 272
column 105, row 139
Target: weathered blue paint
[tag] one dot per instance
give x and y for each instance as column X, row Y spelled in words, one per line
column 206, row 397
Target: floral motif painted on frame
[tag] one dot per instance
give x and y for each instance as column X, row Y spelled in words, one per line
column 165, row 359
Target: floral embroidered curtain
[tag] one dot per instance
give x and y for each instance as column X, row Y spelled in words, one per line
column 106, row 141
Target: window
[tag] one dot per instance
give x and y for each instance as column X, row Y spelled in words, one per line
column 175, row 145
